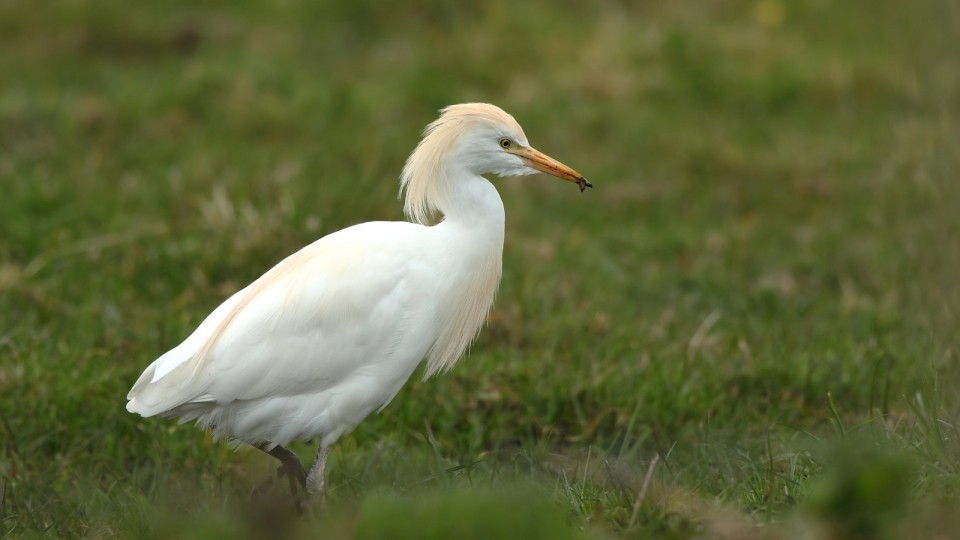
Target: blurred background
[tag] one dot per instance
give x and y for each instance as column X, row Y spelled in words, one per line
column 748, row 328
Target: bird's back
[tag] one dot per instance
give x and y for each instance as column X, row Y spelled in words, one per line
column 312, row 347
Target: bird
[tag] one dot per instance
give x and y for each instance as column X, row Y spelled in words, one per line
column 332, row 332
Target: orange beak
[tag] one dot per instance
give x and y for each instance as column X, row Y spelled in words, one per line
column 546, row 164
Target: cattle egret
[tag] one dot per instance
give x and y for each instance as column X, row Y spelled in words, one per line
column 332, row 332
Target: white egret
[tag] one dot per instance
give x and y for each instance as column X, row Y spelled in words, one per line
column 332, row 332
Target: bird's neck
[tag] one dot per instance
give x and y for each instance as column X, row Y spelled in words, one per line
column 438, row 180
column 472, row 200
column 471, row 238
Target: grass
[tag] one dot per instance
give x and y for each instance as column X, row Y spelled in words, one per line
column 760, row 293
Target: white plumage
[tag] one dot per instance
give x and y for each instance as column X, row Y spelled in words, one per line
column 332, row 332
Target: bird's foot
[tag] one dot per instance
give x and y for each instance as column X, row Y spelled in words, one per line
column 296, row 476
column 312, row 502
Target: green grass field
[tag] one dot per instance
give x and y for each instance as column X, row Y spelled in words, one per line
column 759, row 297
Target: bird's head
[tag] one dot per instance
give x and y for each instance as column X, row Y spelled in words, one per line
column 486, row 139
column 477, row 138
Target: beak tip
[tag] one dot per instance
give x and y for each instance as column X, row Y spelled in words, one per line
column 584, row 184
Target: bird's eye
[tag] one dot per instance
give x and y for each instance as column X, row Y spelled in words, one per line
column 505, row 143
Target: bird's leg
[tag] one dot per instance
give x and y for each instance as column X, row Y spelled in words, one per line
column 290, row 467
column 315, row 478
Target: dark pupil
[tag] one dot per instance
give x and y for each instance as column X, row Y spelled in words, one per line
column 504, row 143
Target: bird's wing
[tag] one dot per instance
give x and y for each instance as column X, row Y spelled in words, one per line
column 315, row 318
